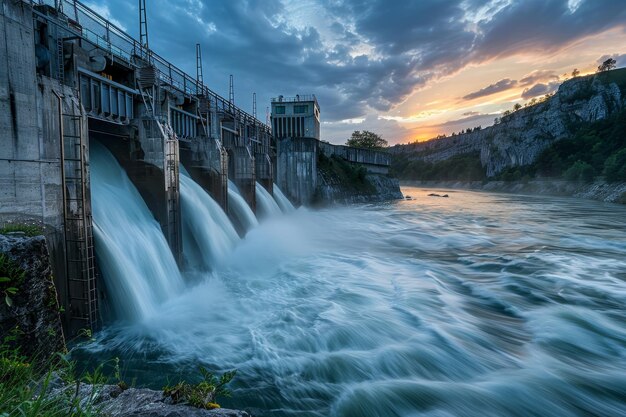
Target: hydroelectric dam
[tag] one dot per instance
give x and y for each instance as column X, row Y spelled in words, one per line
column 104, row 141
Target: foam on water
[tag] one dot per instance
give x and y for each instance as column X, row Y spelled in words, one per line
column 476, row 305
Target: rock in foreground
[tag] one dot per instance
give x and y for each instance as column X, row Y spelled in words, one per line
column 112, row 401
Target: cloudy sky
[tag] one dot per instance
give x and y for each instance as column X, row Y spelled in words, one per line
column 408, row 70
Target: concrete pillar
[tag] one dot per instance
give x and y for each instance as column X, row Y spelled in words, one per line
column 153, row 167
column 207, row 163
column 297, row 168
column 264, row 171
column 241, row 170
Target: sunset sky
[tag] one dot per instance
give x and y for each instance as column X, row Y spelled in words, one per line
column 408, row 70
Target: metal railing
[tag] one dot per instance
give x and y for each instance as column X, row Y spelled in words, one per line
column 296, row 99
column 100, row 32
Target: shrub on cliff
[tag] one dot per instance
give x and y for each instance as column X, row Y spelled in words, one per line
column 580, row 171
column 615, row 167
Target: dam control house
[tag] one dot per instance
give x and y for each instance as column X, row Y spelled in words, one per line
column 296, row 117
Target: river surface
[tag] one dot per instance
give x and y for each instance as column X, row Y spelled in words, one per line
column 474, row 305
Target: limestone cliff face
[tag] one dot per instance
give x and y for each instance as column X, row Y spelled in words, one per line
column 523, row 135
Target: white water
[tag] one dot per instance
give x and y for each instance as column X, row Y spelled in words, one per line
column 475, row 305
column 282, row 201
column 134, row 257
column 208, row 235
column 265, row 204
column 239, row 208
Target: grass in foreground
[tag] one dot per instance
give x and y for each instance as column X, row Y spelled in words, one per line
column 29, row 230
column 26, row 389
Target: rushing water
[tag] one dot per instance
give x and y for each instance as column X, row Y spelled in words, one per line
column 282, row 201
column 474, row 305
column 208, row 234
column 129, row 242
column 239, row 209
column 265, row 204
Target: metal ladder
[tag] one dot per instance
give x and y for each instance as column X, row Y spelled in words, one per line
column 60, row 61
column 79, row 249
column 172, row 186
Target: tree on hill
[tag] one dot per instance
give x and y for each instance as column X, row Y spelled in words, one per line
column 607, row 65
column 366, row 139
column 575, row 73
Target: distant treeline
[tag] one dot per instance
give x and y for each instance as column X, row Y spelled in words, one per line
column 464, row 167
column 595, row 149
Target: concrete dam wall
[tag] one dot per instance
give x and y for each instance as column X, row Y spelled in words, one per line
column 74, row 87
column 68, row 77
column 304, row 181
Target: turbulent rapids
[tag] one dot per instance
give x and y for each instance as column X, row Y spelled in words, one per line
column 476, row 305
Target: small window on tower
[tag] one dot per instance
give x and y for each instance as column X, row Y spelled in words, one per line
column 301, row 109
column 279, row 109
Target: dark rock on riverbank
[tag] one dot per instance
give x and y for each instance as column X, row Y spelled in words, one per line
column 33, row 316
column 148, row 403
column 112, row 401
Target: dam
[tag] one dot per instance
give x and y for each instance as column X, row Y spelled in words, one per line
column 104, row 141
column 72, row 81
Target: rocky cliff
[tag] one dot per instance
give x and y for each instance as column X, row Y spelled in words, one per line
column 521, row 136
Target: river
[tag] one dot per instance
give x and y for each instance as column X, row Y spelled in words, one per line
column 474, row 305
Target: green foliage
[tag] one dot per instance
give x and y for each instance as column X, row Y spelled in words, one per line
column 615, row 166
column 29, row 230
column 11, row 277
column 366, row 139
column 25, row 388
column 580, row 171
column 351, row 175
column 594, row 148
column 465, row 167
column 203, row 394
column 596, row 145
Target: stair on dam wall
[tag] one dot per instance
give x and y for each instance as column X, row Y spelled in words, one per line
column 79, row 248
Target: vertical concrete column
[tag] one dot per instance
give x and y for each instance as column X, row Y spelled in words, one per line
column 207, row 163
column 297, row 168
column 156, row 175
column 242, row 164
column 264, row 171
